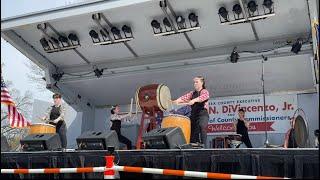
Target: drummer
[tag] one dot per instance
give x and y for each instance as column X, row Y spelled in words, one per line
column 116, row 119
column 198, row 100
column 241, row 126
column 55, row 115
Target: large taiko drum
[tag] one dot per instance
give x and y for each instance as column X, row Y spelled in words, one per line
column 42, row 128
column 153, row 98
column 175, row 120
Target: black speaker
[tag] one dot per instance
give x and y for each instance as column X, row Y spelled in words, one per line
column 95, row 140
column 4, row 144
column 41, row 142
column 164, row 138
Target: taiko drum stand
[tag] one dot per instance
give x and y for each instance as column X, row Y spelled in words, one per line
column 152, row 125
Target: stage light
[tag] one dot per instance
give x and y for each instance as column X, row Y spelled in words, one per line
column 57, row 76
column 181, row 22
column 94, row 34
column 104, row 35
column 166, row 22
column 223, row 13
column 193, row 18
column 237, row 9
column 63, row 40
column 116, row 32
column 252, row 6
column 44, row 44
column 156, row 27
column 98, row 72
column 127, row 30
column 268, row 4
column 155, row 24
column 296, row 47
column 234, row 56
column 74, row 38
column 55, row 40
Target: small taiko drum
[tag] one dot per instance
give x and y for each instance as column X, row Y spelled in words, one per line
column 175, row 120
column 42, row 128
column 153, row 98
column 235, row 140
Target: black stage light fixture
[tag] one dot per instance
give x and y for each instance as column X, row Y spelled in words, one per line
column 45, row 44
column 54, row 42
column 268, row 4
column 167, row 23
column 94, row 36
column 127, row 30
column 64, row 41
column 223, row 13
column 98, row 72
column 234, row 56
column 237, row 10
column 57, row 76
column 104, row 35
column 296, row 47
column 181, row 22
column 252, row 6
column 74, row 38
column 193, row 18
column 156, row 27
column 116, row 32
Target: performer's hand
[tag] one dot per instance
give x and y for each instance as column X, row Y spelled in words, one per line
column 56, row 121
column 190, row 103
column 174, row 102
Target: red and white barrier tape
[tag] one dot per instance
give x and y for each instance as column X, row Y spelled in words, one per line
column 135, row 170
column 110, row 170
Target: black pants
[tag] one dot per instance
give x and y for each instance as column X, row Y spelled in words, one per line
column 122, row 138
column 62, row 131
column 199, row 123
column 246, row 140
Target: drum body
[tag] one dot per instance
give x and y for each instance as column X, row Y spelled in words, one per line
column 175, row 120
column 42, row 128
column 153, row 98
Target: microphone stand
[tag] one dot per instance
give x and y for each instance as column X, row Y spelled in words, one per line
column 266, row 143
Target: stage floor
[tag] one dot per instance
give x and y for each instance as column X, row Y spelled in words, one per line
column 292, row 163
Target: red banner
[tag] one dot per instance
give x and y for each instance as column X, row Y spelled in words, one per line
column 228, row 127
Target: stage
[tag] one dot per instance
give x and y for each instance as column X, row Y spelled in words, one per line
column 291, row 163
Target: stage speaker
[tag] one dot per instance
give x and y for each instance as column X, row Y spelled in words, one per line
column 4, row 144
column 164, row 138
column 95, row 140
column 41, row 142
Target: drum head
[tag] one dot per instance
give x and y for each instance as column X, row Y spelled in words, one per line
column 42, row 124
column 300, row 131
column 163, row 97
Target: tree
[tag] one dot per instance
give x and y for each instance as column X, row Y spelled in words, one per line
column 36, row 76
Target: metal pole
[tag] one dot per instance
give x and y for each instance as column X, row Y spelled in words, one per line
column 266, row 143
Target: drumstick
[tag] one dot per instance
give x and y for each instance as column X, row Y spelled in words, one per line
column 131, row 105
column 136, row 107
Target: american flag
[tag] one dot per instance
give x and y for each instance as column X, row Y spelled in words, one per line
column 15, row 117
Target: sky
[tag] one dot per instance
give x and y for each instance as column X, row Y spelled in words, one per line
column 15, row 69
